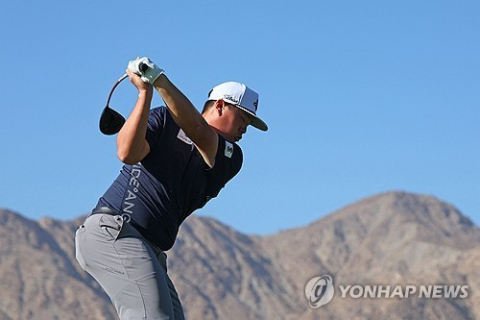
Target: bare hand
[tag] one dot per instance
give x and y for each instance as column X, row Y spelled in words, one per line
column 139, row 83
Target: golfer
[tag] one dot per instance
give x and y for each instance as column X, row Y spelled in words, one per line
column 176, row 160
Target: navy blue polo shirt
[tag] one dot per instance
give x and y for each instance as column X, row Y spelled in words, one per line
column 171, row 182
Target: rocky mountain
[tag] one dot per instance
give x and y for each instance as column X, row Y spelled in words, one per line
column 396, row 239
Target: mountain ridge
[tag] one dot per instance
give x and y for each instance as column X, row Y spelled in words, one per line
column 220, row 273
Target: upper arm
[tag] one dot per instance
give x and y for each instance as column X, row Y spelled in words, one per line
column 204, row 137
column 206, row 141
column 155, row 125
column 132, row 158
column 145, row 150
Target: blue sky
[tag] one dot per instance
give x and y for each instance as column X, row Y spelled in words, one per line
column 361, row 97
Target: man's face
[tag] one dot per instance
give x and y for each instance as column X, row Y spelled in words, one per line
column 235, row 122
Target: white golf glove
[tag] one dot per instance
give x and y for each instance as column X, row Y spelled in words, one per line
column 146, row 69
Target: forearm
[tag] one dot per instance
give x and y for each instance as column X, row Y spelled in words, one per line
column 131, row 143
column 184, row 113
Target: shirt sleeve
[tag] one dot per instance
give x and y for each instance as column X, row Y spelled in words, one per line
column 155, row 126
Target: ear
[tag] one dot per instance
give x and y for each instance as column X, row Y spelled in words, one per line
column 219, row 105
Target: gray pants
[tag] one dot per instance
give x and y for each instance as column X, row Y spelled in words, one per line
column 131, row 271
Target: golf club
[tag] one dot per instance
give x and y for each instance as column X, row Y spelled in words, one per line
column 112, row 121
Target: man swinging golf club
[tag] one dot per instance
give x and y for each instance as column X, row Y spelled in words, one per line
column 176, row 159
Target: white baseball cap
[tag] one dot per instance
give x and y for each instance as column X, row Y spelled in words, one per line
column 240, row 96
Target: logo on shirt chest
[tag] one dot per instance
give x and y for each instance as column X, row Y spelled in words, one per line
column 228, row 149
column 183, row 137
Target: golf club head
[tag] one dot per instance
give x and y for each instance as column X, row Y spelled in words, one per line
column 111, row 121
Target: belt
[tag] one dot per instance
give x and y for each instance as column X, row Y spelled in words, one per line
column 106, row 210
column 103, row 209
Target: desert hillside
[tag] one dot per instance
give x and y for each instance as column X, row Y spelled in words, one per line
column 393, row 238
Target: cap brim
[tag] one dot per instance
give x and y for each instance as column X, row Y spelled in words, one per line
column 256, row 121
column 259, row 124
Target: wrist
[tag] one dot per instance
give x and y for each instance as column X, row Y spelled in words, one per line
column 160, row 81
column 145, row 93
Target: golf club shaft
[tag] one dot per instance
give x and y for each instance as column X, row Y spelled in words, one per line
column 111, row 121
column 114, row 86
column 142, row 67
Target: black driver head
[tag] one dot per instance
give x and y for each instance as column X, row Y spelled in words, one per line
column 111, row 121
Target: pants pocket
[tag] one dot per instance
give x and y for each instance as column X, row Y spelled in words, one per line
column 78, row 253
column 111, row 225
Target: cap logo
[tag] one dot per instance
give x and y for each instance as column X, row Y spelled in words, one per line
column 231, row 98
column 255, row 104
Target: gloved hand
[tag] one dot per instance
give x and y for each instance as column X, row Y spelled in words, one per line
column 146, row 69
